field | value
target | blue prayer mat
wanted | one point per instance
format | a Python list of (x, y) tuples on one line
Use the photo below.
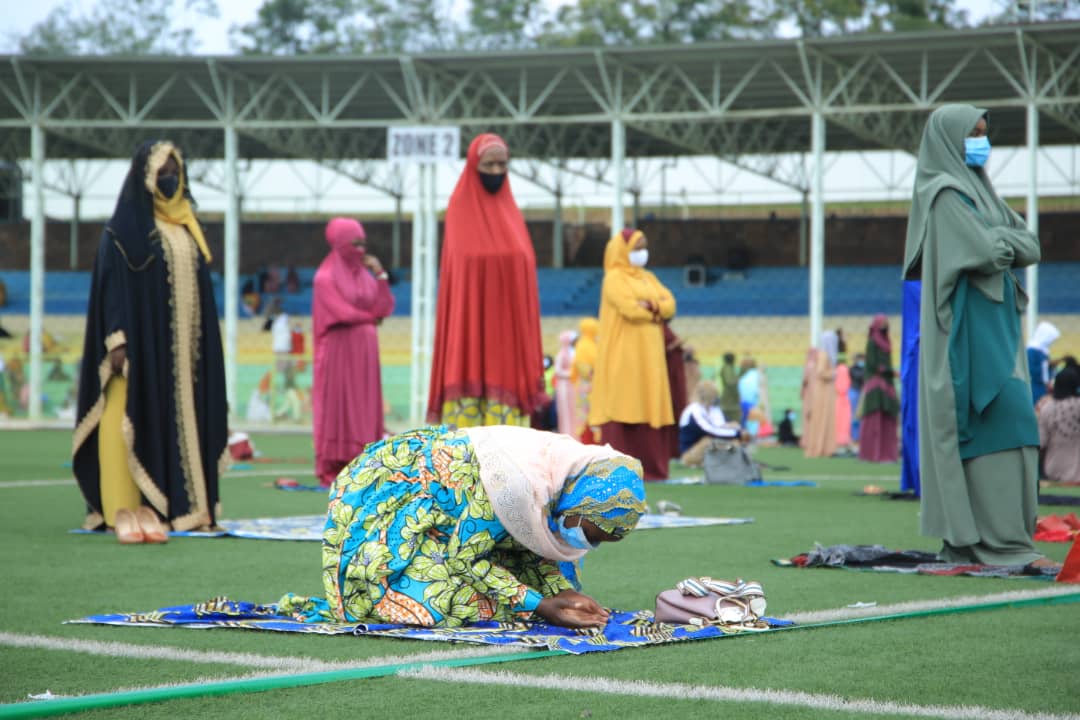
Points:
[(624, 629), (700, 480)]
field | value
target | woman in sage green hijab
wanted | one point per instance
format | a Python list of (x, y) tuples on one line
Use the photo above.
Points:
[(978, 436)]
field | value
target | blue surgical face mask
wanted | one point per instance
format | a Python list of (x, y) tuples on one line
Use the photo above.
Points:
[(574, 536), (976, 151)]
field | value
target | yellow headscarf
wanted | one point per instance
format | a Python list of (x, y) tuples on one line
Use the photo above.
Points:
[(585, 350), (176, 210)]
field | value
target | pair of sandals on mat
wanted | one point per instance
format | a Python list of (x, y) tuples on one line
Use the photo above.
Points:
[(138, 526)]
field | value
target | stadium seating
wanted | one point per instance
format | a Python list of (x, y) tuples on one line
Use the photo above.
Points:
[(779, 291)]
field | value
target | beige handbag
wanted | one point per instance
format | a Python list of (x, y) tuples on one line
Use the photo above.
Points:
[(704, 601)]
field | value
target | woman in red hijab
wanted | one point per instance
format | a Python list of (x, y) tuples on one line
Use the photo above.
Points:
[(351, 295), (487, 367)]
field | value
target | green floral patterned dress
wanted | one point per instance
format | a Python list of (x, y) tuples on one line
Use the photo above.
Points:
[(411, 538)]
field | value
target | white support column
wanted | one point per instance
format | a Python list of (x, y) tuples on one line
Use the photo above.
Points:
[(558, 252), (432, 274), (37, 268), (232, 263), (804, 218), (618, 160), (817, 226), (418, 380), (1031, 273), (73, 234), (395, 245)]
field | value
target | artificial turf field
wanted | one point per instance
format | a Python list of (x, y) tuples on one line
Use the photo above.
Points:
[(1021, 660)]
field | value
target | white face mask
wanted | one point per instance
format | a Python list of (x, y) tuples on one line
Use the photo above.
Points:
[(639, 258)]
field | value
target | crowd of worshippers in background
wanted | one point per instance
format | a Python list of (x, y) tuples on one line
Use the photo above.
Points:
[(619, 392), (623, 379)]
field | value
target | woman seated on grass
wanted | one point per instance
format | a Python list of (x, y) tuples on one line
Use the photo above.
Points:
[(702, 422), (1059, 428), (440, 527)]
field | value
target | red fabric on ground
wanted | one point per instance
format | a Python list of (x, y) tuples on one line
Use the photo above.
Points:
[(1054, 528), (1070, 571)]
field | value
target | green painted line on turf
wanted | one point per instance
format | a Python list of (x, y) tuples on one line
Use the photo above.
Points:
[(83, 703), (61, 706)]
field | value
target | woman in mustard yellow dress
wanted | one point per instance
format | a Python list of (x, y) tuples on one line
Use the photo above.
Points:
[(631, 395)]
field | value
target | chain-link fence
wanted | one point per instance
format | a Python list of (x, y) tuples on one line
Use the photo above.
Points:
[(759, 314)]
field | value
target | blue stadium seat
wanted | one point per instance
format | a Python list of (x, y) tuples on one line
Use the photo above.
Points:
[(849, 290)]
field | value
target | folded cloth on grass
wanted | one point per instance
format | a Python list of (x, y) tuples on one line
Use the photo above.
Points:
[(310, 527), (917, 562), (624, 629), (781, 483), (875, 491), (1056, 528), (291, 485)]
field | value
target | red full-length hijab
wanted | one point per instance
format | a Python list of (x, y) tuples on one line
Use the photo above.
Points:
[(487, 327)]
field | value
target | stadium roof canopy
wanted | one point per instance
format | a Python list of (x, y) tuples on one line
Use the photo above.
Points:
[(728, 99)]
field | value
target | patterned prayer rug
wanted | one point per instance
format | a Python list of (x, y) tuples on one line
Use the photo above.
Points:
[(310, 527), (624, 629)]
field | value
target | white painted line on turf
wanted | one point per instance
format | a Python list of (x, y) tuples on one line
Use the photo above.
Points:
[(269, 662), (817, 616), (679, 691), (34, 483)]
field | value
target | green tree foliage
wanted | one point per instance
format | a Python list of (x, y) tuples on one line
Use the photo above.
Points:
[(683, 21), (297, 27), (917, 15), (1023, 11), (818, 18), (630, 22), (300, 27), (501, 25), (119, 27), (408, 25)]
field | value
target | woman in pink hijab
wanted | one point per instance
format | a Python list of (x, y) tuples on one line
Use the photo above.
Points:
[(565, 387), (351, 296)]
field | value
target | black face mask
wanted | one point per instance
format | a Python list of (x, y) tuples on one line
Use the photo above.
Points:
[(168, 185), (492, 182)]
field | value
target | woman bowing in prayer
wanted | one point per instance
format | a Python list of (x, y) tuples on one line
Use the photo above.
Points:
[(631, 397), (978, 437), (440, 527), (150, 440), (351, 296), (487, 367)]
